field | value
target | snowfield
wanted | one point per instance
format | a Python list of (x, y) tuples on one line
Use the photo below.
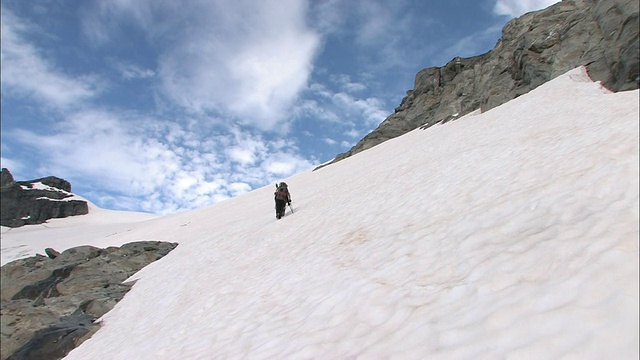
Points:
[(511, 234)]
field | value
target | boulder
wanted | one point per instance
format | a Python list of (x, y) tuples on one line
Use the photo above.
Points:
[(51, 253)]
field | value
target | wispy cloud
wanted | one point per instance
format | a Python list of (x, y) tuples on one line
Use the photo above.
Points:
[(472, 45), (129, 71), (369, 110), (374, 27), (515, 8), (312, 109), (342, 110), (11, 164), (27, 73), (346, 84), (330, 141)]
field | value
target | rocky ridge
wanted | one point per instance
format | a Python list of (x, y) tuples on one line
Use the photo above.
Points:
[(36, 201), (50, 304), (534, 48)]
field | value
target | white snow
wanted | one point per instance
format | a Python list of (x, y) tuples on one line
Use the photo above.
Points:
[(40, 186), (511, 234)]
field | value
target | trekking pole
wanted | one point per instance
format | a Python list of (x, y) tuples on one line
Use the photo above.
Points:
[(291, 207)]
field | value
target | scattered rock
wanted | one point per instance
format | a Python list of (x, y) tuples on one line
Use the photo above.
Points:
[(51, 253)]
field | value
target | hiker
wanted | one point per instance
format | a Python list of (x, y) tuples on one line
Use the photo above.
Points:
[(282, 198)]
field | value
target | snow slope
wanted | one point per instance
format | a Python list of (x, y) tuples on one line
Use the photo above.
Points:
[(97, 228), (508, 234)]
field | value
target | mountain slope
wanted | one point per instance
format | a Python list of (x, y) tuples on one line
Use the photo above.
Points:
[(533, 49), (512, 233)]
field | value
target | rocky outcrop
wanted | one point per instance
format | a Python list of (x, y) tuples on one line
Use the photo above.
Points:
[(50, 305), (534, 48), (36, 201)]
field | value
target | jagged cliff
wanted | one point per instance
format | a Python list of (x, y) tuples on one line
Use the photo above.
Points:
[(533, 49)]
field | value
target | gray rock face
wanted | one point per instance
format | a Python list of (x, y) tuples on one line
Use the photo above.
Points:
[(23, 203), (534, 48), (49, 306)]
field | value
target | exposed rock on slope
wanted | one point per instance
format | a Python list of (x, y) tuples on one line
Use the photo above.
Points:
[(49, 304), (534, 48), (36, 201)]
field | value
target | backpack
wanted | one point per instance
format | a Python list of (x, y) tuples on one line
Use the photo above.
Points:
[(282, 192)]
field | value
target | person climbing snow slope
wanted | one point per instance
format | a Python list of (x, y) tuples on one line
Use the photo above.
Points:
[(282, 197)]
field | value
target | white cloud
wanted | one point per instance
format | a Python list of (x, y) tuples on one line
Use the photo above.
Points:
[(26, 71), (311, 108), (342, 107), (100, 144), (346, 84), (515, 8), (354, 134), (369, 110), (248, 59), (131, 71), (13, 165), (284, 164), (354, 87), (149, 164), (239, 188), (184, 181), (242, 156), (280, 168)]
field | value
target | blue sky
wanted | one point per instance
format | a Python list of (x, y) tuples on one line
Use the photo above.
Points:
[(165, 106)]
